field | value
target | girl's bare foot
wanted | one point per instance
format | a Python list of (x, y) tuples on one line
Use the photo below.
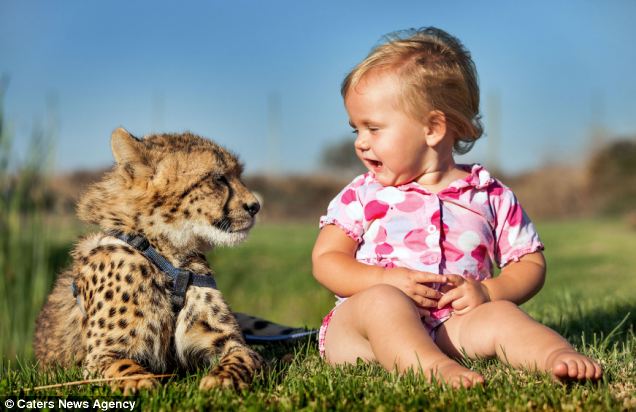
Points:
[(450, 372), (567, 364)]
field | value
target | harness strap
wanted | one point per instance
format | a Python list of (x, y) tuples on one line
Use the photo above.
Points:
[(181, 278)]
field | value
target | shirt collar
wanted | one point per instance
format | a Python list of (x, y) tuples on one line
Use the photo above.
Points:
[(479, 178)]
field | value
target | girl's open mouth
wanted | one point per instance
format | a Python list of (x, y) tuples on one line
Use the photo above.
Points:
[(375, 164)]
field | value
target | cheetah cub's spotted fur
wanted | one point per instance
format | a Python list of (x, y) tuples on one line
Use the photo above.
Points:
[(184, 194)]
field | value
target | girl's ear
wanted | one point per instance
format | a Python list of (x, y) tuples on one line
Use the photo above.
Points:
[(435, 127)]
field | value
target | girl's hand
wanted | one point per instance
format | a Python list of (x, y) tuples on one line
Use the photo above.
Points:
[(465, 294), (413, 283)]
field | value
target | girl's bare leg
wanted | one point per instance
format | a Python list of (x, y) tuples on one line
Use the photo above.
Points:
[(502, 329), (382, 324)]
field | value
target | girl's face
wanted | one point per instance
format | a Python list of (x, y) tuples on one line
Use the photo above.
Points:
[(390, 142)]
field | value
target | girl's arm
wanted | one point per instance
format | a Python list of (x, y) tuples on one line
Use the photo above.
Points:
[(517, 282), (336, 268)]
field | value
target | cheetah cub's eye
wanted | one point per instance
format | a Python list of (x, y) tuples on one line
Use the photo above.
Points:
[(220, 179)]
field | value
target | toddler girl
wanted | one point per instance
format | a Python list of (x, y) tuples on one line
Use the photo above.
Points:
[(409, 247)]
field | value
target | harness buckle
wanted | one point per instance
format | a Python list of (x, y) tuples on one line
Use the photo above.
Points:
[(182, 280), (74, 289), (140, 243)]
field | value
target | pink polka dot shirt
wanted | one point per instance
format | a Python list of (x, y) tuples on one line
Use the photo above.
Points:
[(465, 229)]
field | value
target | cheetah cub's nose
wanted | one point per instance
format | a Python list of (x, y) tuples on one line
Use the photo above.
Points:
[(252, 208)]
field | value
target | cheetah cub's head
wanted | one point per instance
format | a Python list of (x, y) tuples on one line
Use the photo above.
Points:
[(179, 187)]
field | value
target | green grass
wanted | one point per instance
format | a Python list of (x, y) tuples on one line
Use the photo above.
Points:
[(270, 275), (589, 297), (26, 243)]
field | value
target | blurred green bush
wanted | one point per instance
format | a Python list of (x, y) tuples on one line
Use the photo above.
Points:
[(25, 247), (612, 178)]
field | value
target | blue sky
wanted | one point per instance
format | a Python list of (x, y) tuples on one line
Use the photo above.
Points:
[(557, 68)]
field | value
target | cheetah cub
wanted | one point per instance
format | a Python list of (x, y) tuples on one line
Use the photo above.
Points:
[(120, 310)]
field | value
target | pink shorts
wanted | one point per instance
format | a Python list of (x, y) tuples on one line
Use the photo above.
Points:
[(323, 332), (431, 329)]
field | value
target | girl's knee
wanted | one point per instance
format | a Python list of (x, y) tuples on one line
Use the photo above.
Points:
[(499, 310), (383, 295), (498, 306), (381, 299)]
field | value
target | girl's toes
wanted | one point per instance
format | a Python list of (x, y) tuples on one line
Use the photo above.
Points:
[(576, 368), (573, 369), (582, 368), (560, 370), (471, 380), (459, 382), (590, 369), (477, 379), (463, 381), (595, 371)]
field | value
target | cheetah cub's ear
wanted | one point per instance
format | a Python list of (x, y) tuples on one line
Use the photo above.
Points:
[(130, 155), (126, 148)]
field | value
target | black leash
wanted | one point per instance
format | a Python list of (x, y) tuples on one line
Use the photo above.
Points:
[(181, 278)]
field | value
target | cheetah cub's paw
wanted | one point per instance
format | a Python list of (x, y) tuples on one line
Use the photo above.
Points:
[(236, 370), (222, 380), (134, 377), (132, 386)]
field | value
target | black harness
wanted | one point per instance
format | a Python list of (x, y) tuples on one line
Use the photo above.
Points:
[(181, 278)]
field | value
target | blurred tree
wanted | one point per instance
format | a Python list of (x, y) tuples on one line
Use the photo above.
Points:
[(340, 158), (612, 177)]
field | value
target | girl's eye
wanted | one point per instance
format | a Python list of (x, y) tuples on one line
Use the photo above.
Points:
[(354, 131)]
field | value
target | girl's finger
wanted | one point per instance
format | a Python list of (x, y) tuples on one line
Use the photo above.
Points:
[(462, 311), (448, 298), (459, 304), (425, 303), (424, 277), (427, 292), (455, 279)]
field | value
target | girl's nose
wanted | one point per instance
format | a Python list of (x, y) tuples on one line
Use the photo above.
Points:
[(361, 142)]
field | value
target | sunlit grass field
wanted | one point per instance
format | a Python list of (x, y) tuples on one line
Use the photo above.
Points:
[(590, 297)]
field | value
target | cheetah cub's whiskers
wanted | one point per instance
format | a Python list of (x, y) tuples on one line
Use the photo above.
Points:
[(183, 194)]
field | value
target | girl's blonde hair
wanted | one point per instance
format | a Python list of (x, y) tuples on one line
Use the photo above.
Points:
[(436, 72)]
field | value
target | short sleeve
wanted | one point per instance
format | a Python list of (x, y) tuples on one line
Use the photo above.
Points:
[(515, 234), (346, 210)]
